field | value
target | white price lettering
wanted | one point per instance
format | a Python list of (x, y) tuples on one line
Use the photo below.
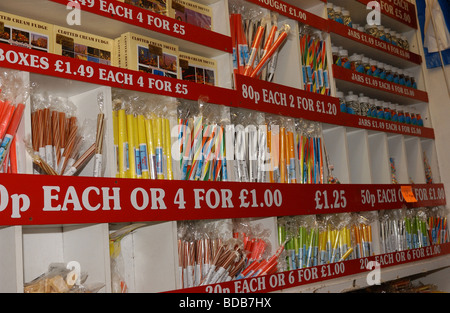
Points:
[(20, 202), (328, 108), (367, 197), (87, 71), (140, 81), (297, 13), (62, 67), (179, 199), (179, 29), (82, 70), (438, 194), (249, 93), (363, 263), (213, 198), (89, 3), (291, 277), (217, 289), (330, 270), (337, 200), (181, 89), (139, 17), (275, 97), (270, 199)]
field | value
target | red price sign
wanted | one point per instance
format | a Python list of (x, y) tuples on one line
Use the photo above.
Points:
[(400, 10)]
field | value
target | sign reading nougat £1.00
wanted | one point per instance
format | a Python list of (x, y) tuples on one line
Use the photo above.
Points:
[(293, 12)]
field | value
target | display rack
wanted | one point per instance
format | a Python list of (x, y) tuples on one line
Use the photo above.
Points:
[(47, 231)]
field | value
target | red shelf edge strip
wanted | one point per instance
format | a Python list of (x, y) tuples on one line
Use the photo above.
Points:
[(357, 36), (168, 26), (378, 84), (80, 200)]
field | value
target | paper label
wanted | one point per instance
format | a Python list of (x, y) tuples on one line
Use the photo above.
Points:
[(408, 194)]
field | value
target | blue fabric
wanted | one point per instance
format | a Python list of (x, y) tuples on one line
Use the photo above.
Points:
[(433, 59)]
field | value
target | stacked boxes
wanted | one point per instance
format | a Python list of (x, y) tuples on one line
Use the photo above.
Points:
[(141, 53), (157, 6), (198, 69), (24, 32), (192, 13), (130, 51), (83, 46)]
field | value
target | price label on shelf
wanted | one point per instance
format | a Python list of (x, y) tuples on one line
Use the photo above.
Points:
[(336, 200), (159, 23), (377, 83), (373, 42), (394, 195), (278, 99), (283, 280), (400, 10), (408, 194), (66, 200), (293, 12), (267, 198), (64, 67), (386, 126), (114, 76), (132, 15)]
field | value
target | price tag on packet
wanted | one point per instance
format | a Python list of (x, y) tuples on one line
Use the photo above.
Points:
[(408, 194)]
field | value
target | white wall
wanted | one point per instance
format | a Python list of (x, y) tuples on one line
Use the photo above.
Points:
[(439, 104)]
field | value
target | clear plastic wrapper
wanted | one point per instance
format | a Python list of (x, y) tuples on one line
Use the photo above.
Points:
[(222, 250), (85, 149), (99, 139), (393, 170), (428, 171), (314, 61), (404, 229), (118, 281), (312, 240), (273, 144), (143, 134), (310, 152), (255, 239), (361, 233), (200, 246), (250, 145), (256, 39), (14, 92), (202, 138), (61, 145), (437, 225), (62, 278)]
